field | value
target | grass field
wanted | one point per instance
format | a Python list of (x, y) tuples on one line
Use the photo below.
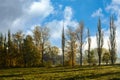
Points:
[(60, 73)]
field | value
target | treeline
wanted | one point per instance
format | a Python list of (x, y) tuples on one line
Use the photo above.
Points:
[(20, 50)]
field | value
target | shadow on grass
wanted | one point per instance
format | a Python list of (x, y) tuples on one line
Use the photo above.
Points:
[(78, 77), (115, 79), (68, 69), (12, 75)]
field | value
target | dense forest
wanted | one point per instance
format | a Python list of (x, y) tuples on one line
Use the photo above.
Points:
[(20, 50)]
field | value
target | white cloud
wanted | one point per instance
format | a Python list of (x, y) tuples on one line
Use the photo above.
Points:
[(60, 51), (29, 32), (94, 43), (115, 1), (68, 13), (60, 6), (55, 28), (41, 8), (37, 10), (9, 11), (114, 8), (24, 14), (57, 25), (97, 13)]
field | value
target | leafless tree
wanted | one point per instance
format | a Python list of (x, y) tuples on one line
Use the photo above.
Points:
[(99, 37), (79, 33), (44, 39), (41, 36), (89, 45), (37, 36), (112, 39), (72, 45)]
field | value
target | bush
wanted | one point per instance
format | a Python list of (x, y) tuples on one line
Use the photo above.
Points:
[(48, 64)]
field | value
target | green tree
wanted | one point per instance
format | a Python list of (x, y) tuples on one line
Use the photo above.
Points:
[(106, 58), (31, 56), (9, 49), (51, 55), (2, 53), (5, 52), (54, 53), (18, 49), (92, 58), (18, 38)]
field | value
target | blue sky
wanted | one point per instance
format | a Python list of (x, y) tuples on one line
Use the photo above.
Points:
[(82, 10), (26, 14)]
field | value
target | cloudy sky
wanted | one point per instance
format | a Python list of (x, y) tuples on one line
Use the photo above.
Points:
[(25, 14)]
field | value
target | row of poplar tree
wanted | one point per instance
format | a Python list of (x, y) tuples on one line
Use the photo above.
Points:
[(75, 40), (20, 50)]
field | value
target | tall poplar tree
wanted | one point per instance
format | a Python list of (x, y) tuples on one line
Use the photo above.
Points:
[(112, 39), (99, 37), (79, 33), (89, 46), (63, 44)]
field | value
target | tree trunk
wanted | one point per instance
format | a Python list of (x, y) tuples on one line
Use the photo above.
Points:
[(80, 56), (42, 53)]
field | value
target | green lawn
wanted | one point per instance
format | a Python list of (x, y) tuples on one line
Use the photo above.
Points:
[(60, 73)]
